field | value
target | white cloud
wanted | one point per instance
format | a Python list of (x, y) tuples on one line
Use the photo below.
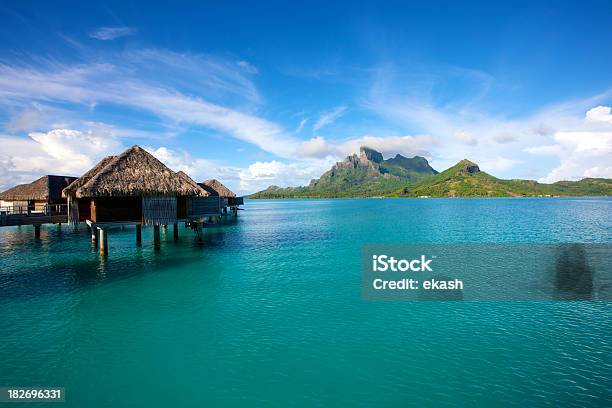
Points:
[(26, 120), (598, 172), (316, 147), (301, 125), (504, 138), (74, 151), (546, 150), (111, 33), (600, 114), (459, 125), (580, 153), (390, 145), (329, 117), (497, 164), (466, 138), (197, 168), (319, 147), (255, 177), (248, 67), (260, 175), (89, 84), (59, 151)]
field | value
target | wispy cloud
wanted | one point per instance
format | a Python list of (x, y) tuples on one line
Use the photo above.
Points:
[(460, 126), (329, 117), (122, 85), (248, 67), (319, 147), (301, 125), (111, 33)]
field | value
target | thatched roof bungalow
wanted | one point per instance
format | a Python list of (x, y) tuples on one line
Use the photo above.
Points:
[(131, 187), (36, 195), (228, 197), (70, 190), (216, 188)]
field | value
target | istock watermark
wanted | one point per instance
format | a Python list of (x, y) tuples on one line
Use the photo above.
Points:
[(573, 271)]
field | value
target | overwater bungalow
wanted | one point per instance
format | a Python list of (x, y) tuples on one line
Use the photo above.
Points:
[(130, 188), (40, 196), (136, 188), (36, 203), (227, 197)]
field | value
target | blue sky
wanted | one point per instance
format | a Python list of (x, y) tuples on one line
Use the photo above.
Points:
[(260, 93)]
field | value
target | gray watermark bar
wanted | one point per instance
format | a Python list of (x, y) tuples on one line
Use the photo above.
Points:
[(32, 394), (486, 272)]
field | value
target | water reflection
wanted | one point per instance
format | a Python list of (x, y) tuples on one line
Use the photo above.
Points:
[(573, 275)]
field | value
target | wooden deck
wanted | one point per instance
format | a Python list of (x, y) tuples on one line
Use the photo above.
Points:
[(51, 214)]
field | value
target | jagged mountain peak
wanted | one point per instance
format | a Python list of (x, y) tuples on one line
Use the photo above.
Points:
[(467, 166), (371, 154)]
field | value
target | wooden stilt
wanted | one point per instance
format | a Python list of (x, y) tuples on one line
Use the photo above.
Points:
[(176, 231), (138, 234), (94, 235), (103, 242), (199, 231), (37, 231), (156, 236)]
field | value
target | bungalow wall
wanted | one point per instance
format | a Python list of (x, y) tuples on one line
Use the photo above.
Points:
[(23, 207), (181, 207), (235, 201), (56, 185), (116, 209), (203, 206), (84, 205)]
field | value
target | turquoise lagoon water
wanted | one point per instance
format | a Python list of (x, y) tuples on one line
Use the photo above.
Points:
[(267, 312)]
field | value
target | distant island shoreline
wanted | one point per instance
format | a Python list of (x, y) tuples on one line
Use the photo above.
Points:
[(369, 175), (426, 198)]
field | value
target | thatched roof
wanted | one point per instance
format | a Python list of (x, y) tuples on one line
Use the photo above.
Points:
[(45, 188), (186, 177), (134, 172), (80, 182), (216, 188)]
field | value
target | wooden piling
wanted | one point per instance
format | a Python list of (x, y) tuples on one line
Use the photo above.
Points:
[(103, 242), (138, 234), (156, 236), (176, 231), (37, 231), (94, 235), (199, 231)]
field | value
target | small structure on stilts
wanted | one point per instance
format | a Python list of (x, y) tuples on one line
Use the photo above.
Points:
[(133, 188), (36, 203), (227, 198)]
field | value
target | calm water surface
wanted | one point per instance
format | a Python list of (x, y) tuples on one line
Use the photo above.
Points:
[(267, 312)]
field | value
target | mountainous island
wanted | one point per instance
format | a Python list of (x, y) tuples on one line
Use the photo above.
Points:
[(370, 175)]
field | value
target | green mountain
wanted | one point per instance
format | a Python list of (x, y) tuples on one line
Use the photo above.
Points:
[(363, 175), (465, 179), (369, 175)]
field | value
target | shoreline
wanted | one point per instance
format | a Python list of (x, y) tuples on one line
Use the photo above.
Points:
[(423, 198)]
